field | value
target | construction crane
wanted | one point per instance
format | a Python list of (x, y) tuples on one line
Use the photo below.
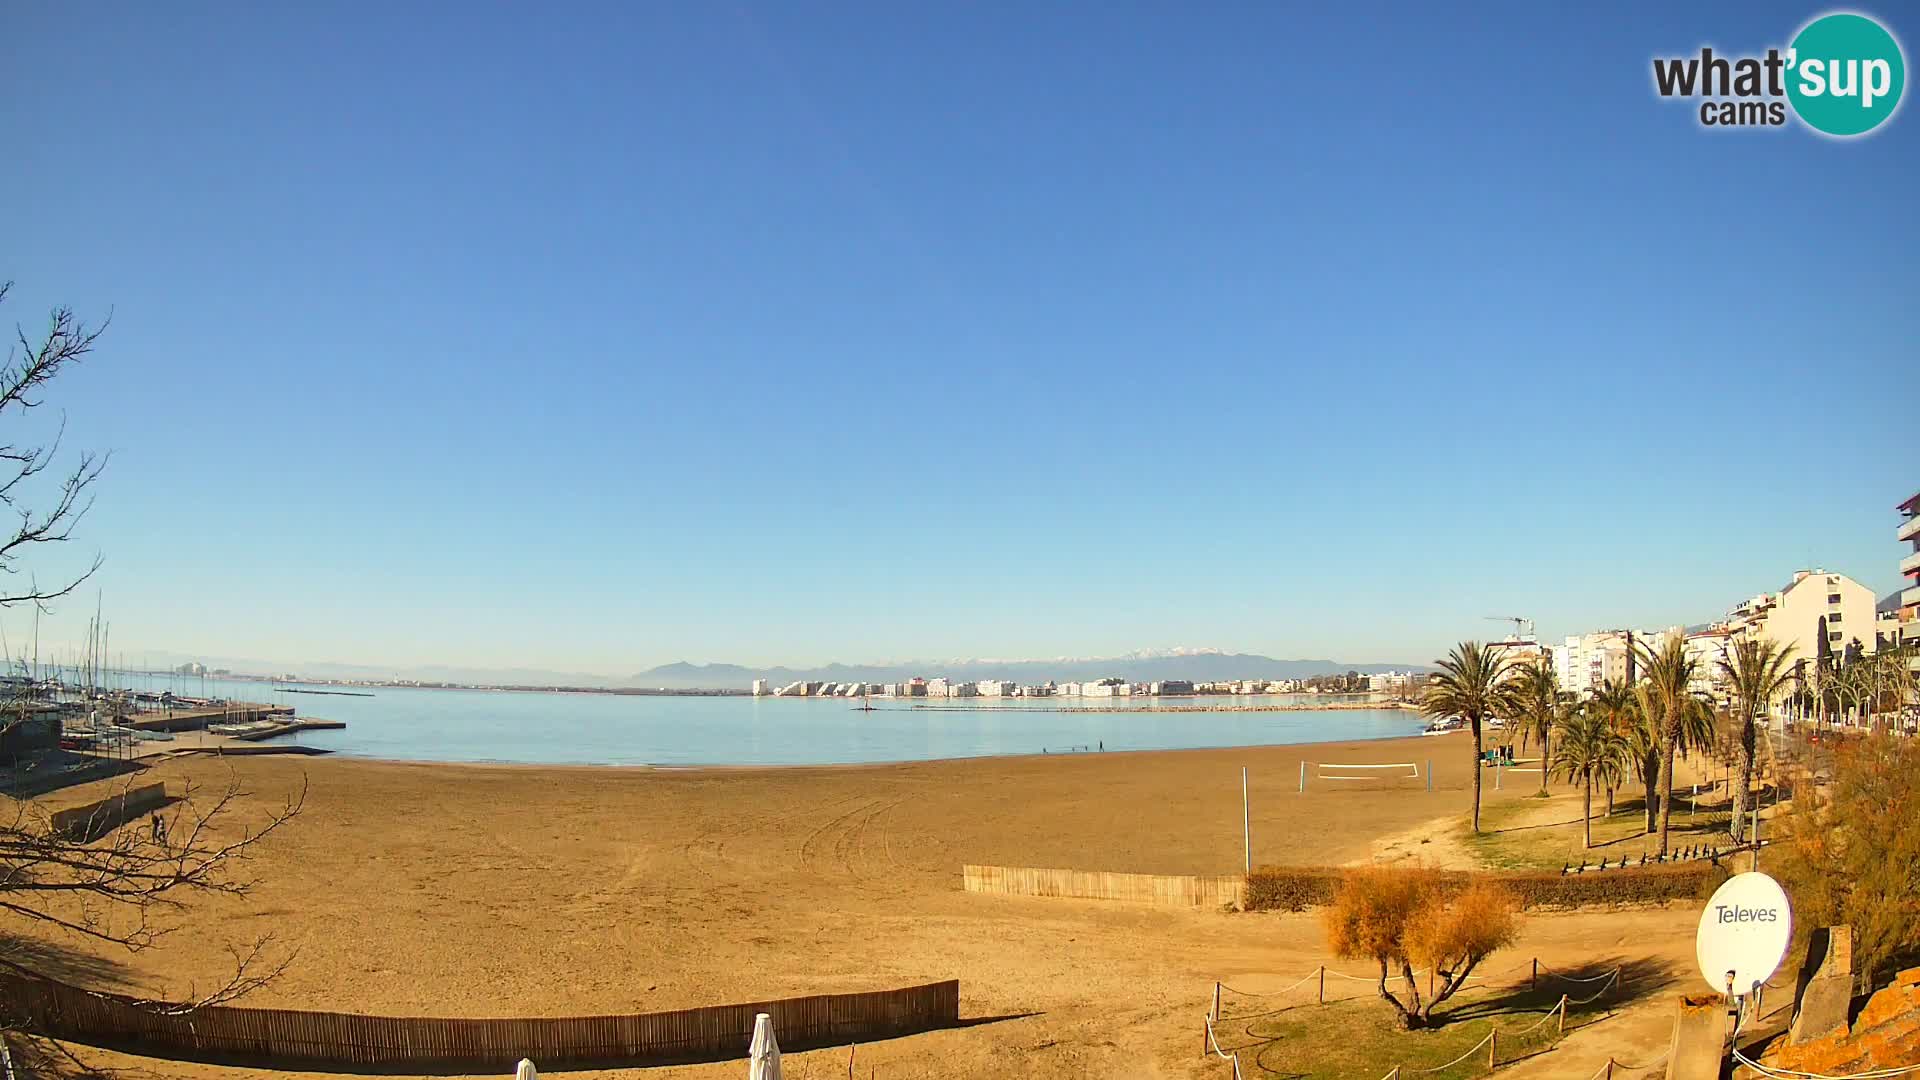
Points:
[(1522, 628)]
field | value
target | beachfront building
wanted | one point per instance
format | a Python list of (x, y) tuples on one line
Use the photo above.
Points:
[(1584, 662), (1385, 680), (996, 688), (1106, 688), (1707, 647), (1907, 614), (1170, 686), (1815, 602), (759, 688)]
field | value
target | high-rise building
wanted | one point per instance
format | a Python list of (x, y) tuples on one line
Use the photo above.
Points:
[(1909, 610)]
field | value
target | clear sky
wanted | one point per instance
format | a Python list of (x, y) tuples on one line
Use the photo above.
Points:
[(606, 335)]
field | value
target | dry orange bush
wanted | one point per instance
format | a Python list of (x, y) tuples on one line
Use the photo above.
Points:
[(1403, 917)]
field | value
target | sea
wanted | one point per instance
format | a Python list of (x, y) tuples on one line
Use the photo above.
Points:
[(419, 724)]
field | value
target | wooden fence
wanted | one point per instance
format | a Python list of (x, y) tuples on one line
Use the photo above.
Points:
[(1165, 890), (341, 1042), (99, 818)]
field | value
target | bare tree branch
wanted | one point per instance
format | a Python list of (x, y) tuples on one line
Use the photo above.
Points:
[(32, 363)]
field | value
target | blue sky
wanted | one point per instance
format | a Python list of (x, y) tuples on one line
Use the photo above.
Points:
[(612, 335)]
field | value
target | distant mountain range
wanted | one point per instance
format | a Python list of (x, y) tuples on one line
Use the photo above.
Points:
[(1197, 665), (1200, 665)]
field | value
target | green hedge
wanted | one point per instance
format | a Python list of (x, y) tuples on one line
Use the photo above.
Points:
[(1296, 888)]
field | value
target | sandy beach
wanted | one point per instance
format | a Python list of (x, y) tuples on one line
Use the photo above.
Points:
[(460, 890)]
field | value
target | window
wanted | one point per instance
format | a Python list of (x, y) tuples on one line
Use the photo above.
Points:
[(1833, 618), (1834, 636), (1833, 598)]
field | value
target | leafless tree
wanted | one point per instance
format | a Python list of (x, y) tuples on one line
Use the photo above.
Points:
[(105, 880), (117, 883), (31, 364)]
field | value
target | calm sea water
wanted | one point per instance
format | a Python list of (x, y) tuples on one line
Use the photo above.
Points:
[(498, 726)]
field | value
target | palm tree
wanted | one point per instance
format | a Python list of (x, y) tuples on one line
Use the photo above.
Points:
[(1756, 671), (1472, 685), (1589, 750), (1675, 708), (1535, 703), (1645, 746), (1613, 701)]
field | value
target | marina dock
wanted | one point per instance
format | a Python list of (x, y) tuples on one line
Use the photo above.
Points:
[(197, 717)]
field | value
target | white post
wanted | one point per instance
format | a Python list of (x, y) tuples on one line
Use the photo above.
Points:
[(1246, 823), (1303, 778)]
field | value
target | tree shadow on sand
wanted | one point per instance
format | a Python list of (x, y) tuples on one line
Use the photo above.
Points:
[(38, 1056), (61, 962)]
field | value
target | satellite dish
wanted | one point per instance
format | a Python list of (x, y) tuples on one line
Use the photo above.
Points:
[(1744, 933)]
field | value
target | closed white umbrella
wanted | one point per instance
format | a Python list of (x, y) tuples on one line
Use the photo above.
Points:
[(763, 1057), (526, 1071)]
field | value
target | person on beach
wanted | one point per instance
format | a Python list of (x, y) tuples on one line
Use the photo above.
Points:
[(159, 829)]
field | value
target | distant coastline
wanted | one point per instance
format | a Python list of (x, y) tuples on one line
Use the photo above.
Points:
[(1288, 706)]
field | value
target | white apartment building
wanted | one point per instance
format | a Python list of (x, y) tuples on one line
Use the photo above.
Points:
[(1796, 615), (759, 688), (1909, 611), (996, 688), (1388, 680)]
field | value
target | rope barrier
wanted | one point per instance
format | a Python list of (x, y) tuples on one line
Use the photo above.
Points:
[(1792, 1074), (1462, 1057), (1559, 1007), (1276, 993), (1608, 981), (1606, 1071), (1612, 980), (1603, 976), (1214, 1045)]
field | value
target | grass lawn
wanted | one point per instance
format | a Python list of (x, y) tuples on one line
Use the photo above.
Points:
[(1361, 1038), (1514, 837)]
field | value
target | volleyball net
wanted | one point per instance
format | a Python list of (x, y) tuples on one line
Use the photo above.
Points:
[(1396, 773)]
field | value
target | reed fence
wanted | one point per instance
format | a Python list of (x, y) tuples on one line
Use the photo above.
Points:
[(326, 1041), (1165, 890)]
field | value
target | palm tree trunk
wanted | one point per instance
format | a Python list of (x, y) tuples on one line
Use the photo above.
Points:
[(1666, 784), (1476, 775), (1477, 750), (1587, 814), (1650, 783), (1545, 756), (1743, 778)]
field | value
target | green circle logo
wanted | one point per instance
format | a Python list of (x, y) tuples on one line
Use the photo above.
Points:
[(1845, 74)]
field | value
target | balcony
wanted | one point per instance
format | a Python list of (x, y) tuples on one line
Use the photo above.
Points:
[(1910, 565), (1909, 528), (1910, 597)]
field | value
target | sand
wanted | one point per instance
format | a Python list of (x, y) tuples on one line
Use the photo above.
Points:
[(456, 890)]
